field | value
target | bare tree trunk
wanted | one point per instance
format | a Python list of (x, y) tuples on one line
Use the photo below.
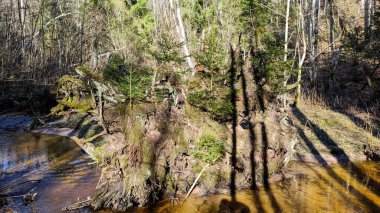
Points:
[(100, 90), (286, 47), (21, 12), (152, 86), (310, 19), (220, 16), (155, 9), (94, 54), (286, 30), (367, 18), (81, 16), (176, 9), (302, 58), (315, 30), (331, 18)]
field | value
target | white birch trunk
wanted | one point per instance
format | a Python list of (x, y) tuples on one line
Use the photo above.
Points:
[(302, 58), (286, 46), (176, 9), (21, 11)]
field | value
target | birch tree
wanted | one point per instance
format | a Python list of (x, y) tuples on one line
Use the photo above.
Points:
[(22, 12), (368, 4), (302, 55), (331, 25), (176, 11), (315, 14), (286, 45)]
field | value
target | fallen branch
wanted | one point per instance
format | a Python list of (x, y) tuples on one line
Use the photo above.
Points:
[(49, 22), (78, 205), (87, 140), (196, 181), (82, 142)]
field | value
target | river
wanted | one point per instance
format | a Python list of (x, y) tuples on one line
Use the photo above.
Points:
[(52, 166), (64, 175), (350, 188)]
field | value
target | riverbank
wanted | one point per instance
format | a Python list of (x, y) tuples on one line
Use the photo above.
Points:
[(322, 136)]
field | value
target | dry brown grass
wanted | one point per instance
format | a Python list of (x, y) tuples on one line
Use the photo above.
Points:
[(339, 127)]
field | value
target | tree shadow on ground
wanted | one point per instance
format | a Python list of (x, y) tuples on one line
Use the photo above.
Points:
[(233, 97), (330, 144), (252, 140), (267, 186), (360, 122), (235, 63), (232, 206)]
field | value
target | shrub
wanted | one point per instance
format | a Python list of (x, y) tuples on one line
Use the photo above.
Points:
[(209, 149), (132, 82), (199, 98), (214, 54), (217, 103), (272, 66), (222, 110)]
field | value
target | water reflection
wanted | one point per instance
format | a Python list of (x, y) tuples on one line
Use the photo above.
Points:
[(52, 166), (315, 190)]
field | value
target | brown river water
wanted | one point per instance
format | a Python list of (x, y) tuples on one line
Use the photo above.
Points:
[(65, 174), (52, 166)]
